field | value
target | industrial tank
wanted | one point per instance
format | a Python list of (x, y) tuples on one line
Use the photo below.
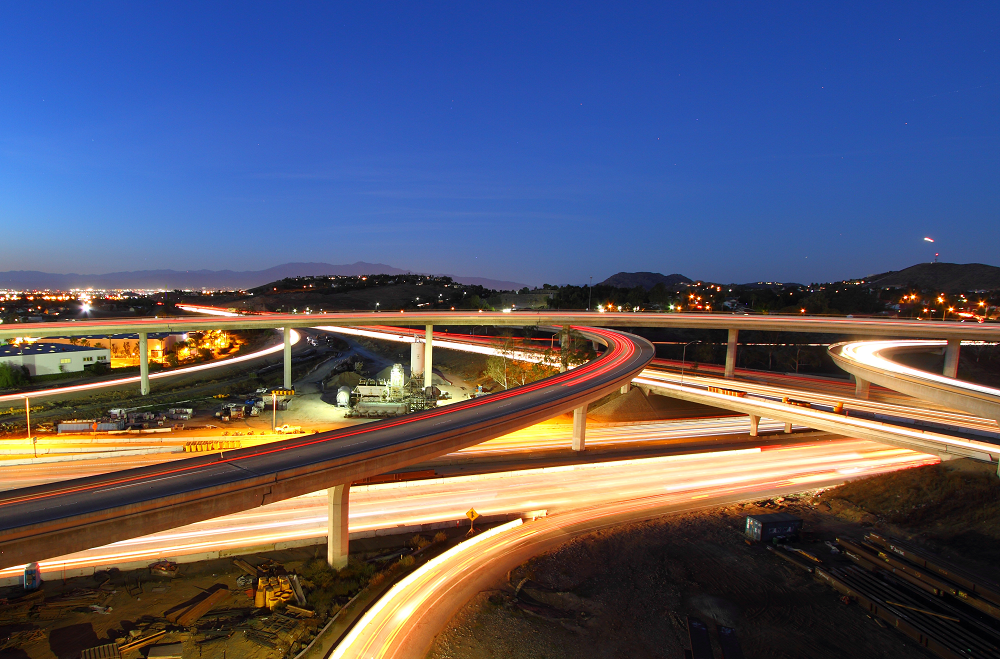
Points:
[(344, 397)]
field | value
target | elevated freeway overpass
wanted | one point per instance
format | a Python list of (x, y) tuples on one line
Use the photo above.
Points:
[(953, 333), (61, 518)]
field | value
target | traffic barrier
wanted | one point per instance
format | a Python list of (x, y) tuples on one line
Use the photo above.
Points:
[(727, 392), (204, 446)]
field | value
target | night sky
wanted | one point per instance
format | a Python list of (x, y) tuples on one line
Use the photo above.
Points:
[(537, 142)]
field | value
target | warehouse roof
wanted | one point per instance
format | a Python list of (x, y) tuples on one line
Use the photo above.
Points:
[(43, 349)]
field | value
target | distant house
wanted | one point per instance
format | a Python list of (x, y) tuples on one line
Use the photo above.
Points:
[(49, 358)]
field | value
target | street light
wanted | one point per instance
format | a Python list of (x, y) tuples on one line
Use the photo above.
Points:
[(684, 357), (590, 292)]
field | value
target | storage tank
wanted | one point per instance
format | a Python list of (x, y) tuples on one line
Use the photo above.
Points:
[(344, 397), (416, 359)]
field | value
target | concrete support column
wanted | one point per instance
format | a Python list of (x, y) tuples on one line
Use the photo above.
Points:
[(731, 353), (143, 364), (563, 342), (627, 387), (788, 428), (579, 428), (428, 359), (861, 388), (337, 508), (951, 358), (287, 333), (754, 420), (416, 359)]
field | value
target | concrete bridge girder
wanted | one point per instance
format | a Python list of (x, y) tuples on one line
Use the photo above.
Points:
[(926, 442), (954, 396)]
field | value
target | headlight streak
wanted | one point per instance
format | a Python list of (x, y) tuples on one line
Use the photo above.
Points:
[(389, 505), (421, 573), (402, 623)]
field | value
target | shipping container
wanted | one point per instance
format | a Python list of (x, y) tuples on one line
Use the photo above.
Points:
[(775, 525), (74, 426)]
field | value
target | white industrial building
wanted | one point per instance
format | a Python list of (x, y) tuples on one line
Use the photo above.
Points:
[(48, 358)]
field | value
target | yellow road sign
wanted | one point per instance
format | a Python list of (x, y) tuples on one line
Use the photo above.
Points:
[(472, 514)]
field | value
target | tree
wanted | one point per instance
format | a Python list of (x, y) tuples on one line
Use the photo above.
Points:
[(12, 377), (509, 368), (574, 348), (660, 296), (796, 356)]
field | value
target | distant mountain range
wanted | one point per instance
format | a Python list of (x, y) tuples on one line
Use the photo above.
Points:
[(213, 279), (645, 279), (945, 277)]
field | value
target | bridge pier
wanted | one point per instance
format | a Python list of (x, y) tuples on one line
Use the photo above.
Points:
[(861, 388), (951, 358), (563, 343), (287, 334), (143, 364), (627, 387), (579, 428), (788, 427), (337, 542), (428, 349), (754, 421), (731, 354)]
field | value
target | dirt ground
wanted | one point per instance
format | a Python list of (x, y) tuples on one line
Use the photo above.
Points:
[(69, 616), (625, 592)]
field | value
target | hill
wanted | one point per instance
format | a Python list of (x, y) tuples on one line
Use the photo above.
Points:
[(210, 279), (944, 277), (645, 279)]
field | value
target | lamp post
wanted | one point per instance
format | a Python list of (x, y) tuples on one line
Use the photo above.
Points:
[(684, 357), (590, 292)]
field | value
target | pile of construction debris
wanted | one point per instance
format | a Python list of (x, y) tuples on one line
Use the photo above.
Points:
[(264, 615)]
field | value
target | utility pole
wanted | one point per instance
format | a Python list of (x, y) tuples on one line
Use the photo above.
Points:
[(590, 292), (27, 416), (684, 357)]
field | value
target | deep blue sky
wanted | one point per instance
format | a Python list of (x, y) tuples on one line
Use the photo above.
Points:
[(534, 142)]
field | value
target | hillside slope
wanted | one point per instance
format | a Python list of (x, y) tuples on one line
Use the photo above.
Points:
[(645, 279), (945, 277)]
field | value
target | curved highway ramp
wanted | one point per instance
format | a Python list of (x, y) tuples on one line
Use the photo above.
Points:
[(68, 516)]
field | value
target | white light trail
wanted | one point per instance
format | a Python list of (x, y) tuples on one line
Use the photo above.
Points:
[(390, 505), (868, 353)]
